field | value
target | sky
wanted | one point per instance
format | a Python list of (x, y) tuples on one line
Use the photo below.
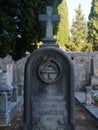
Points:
[(73, 4)]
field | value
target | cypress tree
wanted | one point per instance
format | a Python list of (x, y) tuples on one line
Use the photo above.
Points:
[(93, 25), (63, 26), (20, 29), (7, 25), (79, 31)]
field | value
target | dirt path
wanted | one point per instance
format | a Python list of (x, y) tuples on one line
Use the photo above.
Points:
[(84, 120)]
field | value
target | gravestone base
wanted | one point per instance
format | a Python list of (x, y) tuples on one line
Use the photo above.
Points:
[(49, 42), (12, 108)]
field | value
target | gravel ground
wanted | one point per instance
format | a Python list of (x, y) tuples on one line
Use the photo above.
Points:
[(83, 121)]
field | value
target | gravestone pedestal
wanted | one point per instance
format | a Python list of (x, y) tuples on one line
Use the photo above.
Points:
[(49, 89)]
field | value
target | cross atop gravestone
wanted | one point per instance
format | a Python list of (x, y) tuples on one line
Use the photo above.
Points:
[(49, 18)]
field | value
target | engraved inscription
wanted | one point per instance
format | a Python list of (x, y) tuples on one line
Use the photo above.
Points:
[(49, 113), (49, 71)]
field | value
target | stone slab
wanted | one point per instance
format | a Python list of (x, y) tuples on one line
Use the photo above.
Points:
[(80, 96), (13, 107), (93, 110), (49, 91)]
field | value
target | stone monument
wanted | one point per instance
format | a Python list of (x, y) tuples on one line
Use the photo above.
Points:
[(5, 86), (9, 73), (10, 99), (49, 85)]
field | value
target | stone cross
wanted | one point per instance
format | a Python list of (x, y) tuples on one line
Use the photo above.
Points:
[(49, 18)]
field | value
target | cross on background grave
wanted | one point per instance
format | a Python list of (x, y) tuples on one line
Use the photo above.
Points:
[(49, 18)]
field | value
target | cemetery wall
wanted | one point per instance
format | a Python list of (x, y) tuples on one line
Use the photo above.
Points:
[(81, 61)]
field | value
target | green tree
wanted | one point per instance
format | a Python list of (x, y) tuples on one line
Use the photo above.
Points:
[(7, 25), (93, 25), (30, 31), (79, 31), (63, 27), (20, 28)]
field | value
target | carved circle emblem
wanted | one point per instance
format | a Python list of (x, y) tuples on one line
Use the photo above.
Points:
[(49, 71)]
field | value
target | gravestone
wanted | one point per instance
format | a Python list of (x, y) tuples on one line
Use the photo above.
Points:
[(14, 78), (11, 95), (49, 85), (5, 86), (92, 73), (10, 73)]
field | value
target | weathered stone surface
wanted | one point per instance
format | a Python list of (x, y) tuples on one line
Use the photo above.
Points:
[(49, 18), (10, 100), (48, 82), (49, 85), (5, 86), (20, 64)]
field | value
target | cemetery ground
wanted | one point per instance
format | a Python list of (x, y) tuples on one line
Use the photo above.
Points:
[(84, 121)]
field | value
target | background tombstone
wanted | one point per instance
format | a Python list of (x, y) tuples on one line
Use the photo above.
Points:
[(9, 73), (11, 94), (5, 86), (14, 78), (49, 87)]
